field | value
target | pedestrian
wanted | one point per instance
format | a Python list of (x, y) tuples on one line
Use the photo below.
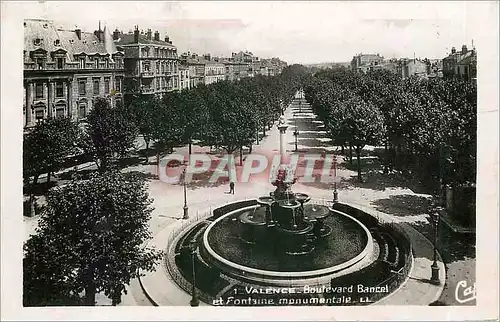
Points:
[(231, 187)]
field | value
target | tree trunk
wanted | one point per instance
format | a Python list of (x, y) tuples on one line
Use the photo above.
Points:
[(350, 153), (241, 156), (190, 143), (90, 289), (342, 149), (48, 177), (35, 179), (257, 136), (250, 150), (264, 129), (158, 163), (358, 152), (104, 165), (386, 158)]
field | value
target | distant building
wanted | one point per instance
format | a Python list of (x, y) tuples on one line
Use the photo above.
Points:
[(184, 79), (414, 67), (461, 64), (366, 62), (196, 68), (64, 70), (214, 69), (151, 63)]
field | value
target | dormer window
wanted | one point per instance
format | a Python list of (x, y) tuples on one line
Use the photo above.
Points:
[(38, 41), (45, 25), (84, 41), (57, 42), (71, 41), (94, 42)]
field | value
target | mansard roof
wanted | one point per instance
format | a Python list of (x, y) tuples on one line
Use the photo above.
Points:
[(42, 34)]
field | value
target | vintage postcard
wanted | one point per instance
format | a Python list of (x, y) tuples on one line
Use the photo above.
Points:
[(249, 160)]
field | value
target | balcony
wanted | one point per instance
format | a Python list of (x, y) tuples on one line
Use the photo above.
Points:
[(147, 90), (147, 74)]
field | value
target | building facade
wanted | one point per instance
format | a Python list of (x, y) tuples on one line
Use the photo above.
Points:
[(461, 64), (184, 79), (215, 70), (64, 70), (151, 64), (366, 62)]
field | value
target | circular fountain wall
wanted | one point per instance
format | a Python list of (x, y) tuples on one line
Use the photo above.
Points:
[(226, 245)]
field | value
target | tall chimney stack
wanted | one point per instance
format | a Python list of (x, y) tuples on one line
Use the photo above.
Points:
[(136, 34), (149, 34), (116, 34), (78, 32), (157, 36)]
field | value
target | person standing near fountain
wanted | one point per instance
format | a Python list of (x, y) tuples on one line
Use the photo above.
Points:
[(231, 187)]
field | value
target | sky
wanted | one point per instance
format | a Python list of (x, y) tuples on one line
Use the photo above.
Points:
[(295, 31)]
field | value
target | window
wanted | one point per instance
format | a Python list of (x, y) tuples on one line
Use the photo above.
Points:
[(39, 62), (59, 89), (118, 85), (39, 114), (82, 111), (59, 111), (82, 88), (158, 67), (60, 63), (82, 62), (39, 90), (106, 86), (96, 86)]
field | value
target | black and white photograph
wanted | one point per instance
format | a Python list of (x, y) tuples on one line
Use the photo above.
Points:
[(249, 160)]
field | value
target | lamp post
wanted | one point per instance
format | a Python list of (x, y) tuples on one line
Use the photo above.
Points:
[(296, 132), (186, 215), (434, 266), (194, 297), (335, 193)]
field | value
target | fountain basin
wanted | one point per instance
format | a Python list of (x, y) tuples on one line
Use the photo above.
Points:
[(350, 244)]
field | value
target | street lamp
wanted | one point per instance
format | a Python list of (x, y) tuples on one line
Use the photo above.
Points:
[(194, 298), (434, 266), (296, 132), (335, 193), (186, 215)]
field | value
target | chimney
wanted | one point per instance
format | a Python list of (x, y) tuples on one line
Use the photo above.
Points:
[(206, 56), (453, 50), (167, 38), (136, 34), (116, 34), (78, 32), (149, 34), (464, 49), (157, 35)]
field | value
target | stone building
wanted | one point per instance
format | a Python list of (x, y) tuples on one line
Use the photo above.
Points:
[(214, 69), (151, 64), (184, 79), (365, 62), (64, 70), (196, 68), (461, 64)]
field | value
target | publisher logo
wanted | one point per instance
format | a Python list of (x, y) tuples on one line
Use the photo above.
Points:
[(465, 292)]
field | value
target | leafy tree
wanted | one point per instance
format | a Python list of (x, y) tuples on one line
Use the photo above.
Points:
[(110, 132), (90, 239), (168, 124), (47, 145), (142, 110)]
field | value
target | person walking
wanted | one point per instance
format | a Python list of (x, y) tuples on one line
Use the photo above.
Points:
[(231, 187)]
